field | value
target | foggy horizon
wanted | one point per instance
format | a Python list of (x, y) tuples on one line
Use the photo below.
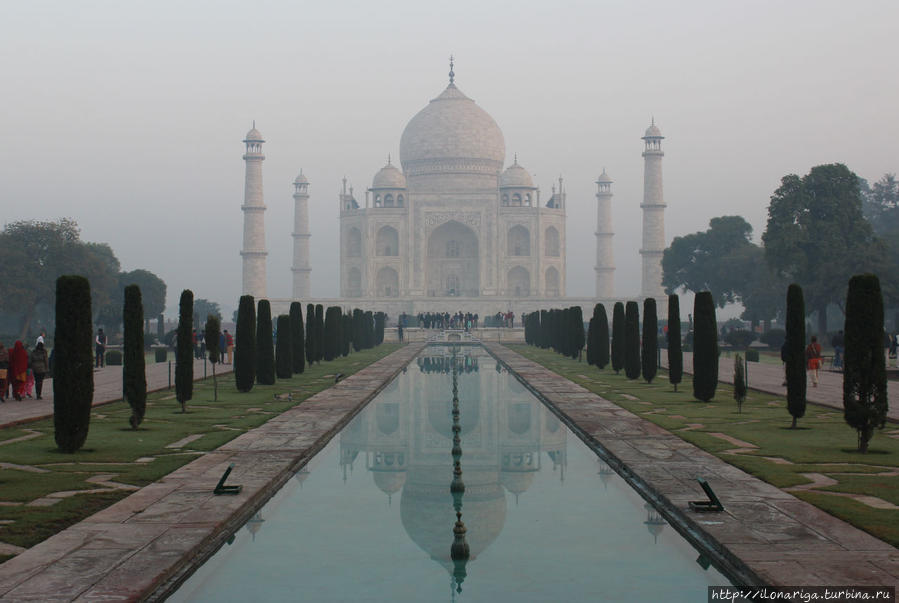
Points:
[(129, 119)]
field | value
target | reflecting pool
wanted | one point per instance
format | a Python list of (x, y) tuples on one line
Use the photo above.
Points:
[(372, 517)]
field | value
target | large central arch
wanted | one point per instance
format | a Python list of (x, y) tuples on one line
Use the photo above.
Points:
[(453, 265)]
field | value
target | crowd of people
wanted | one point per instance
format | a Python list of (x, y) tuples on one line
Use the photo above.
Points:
[(22, 371), (226, 345), (459, 320)]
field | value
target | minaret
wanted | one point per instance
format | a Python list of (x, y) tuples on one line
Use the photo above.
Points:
[(653, 214), (605, 257), (253, 207), (301, 268)]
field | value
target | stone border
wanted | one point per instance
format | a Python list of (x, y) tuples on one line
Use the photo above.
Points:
[(765, 536), (144, 546)]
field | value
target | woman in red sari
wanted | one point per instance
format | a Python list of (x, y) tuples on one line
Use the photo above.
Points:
[(18, 369)]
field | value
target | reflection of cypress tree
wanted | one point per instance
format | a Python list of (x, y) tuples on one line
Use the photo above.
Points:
[(184, 356), (284, 349), (675, 352), (245, 346), (297, 338), (265, 351), (650, 340), (632, 340), (618, 337)]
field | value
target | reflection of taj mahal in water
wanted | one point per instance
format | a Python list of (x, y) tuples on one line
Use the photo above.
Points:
[(404, 440), (449, 222)]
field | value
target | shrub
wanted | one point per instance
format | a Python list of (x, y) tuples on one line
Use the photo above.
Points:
[(796, 362), (752, 355), (650, 341), (675, 353), (73, 374), (114, 358), (162, 354), (134, 374), (705, 356), (618, 337), (284, 349), (739, 338), (265, 350), (297, 338), (632, 340), (739, 382), (865, 399), (245, 345), (184, 353)]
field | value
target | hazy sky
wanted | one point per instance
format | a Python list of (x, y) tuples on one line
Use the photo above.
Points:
[(128, 116)]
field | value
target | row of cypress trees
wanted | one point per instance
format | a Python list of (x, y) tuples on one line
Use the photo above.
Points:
[(559, 329)]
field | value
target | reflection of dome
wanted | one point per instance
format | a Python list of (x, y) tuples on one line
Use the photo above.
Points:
[(452, 134), (387, 415), (428, 517), (516, 176), (389, 482), (519, 417), (389, 177), (440, 415), (517, 482)]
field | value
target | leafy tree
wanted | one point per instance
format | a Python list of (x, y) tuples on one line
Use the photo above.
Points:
[(650, 342), (184, 353), (73, 376), (796, 361), (675, 352), (297, 338), (284, 349), (213, 334), (739, 381), (602, 336), (865, 401), (632, 340), (134, 367), (880, 206), (265, 351), (310, 334), (705, 347), (618, 337), (245, 345), (817, 237), (204, 307)]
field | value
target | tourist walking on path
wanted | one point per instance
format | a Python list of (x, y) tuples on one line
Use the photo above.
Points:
[(813, 356), (18, 369), (838, 342), (4, 371), (40, 365), (229, 345), (100, 342)]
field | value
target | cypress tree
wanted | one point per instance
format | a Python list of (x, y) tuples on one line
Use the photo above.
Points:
[(576, 330), (591, 338), (213, 336), (632, 340), (358, 330), (543, 338), (332, 333), (602, 336), (319, 332), (369, 326), (265, 349), (310, 334), (297, 338), (134, 367), (347, 332), (865, 401), (617, 337), (284, 350), (739, 381), (73, 367), (675, 351), (380, 321), (796, 362), (245, 345), (705, 347), (184, 353), (650, 348)]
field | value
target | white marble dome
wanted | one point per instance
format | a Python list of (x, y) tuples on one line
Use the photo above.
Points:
[(389, 177), (516, 176), (452, 132), (653, 132), (254, 136)]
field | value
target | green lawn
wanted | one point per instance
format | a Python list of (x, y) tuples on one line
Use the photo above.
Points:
[(113, 448), (823, 444)]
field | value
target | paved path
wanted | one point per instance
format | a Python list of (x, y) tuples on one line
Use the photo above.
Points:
[(770, 377), (765, 535), (107, 388)]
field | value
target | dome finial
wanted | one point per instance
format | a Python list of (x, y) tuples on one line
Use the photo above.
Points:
[(388, 158), (452, 75), (516, 159)]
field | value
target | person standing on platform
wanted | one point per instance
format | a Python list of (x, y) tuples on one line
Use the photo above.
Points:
[(100, 343)]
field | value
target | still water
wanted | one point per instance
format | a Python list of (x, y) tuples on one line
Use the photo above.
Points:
[(371, 517)]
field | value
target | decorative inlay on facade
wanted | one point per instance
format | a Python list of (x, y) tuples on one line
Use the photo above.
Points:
[(434, 219)]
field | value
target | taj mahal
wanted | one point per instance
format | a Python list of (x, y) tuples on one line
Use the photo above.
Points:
[(451, 227)]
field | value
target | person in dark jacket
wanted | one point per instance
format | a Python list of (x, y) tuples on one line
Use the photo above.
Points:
[(40, 366)]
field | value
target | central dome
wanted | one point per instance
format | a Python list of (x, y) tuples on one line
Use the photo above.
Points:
[(452, 135)]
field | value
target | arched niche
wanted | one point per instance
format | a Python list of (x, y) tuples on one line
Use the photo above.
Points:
[(518, 241), (354, 282), (552, 282), (518, 282), (387, 283), (387, 241), (353, 243), (453, 258), (551, 242)]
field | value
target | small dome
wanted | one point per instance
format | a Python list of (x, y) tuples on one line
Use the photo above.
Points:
[(604, 178), (301, 179), (389, 177), (516, 176), (653, 131), (254, 136)]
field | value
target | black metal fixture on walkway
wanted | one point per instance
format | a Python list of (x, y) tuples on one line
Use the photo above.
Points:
[(459, 551)]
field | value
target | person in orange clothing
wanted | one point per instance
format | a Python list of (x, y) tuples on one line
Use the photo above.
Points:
[(813, 356), (18, 369)]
